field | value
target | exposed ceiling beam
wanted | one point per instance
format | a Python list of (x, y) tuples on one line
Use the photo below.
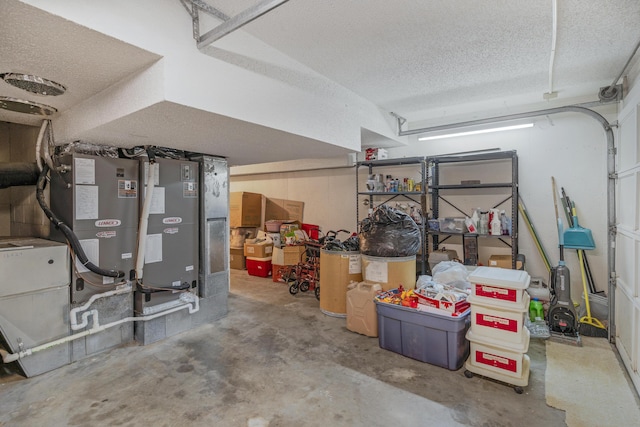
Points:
[(238, 21), (210, 10)]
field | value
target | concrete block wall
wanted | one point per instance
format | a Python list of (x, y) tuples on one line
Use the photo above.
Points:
[(20, 214)]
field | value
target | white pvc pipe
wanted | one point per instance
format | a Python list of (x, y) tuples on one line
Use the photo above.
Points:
[(43, 127), (73, 313), (47, 154), (144, 221), (12, 357)]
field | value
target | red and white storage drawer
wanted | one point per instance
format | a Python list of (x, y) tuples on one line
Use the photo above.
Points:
[(492, 285), (499, 361), (501, 321)]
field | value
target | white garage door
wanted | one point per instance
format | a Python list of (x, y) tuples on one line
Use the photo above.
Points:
[(627, 302)]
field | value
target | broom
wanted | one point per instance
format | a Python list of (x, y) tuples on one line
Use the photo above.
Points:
[(589, 326)]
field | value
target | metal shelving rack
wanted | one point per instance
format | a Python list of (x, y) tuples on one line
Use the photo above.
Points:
[(381, 197), (434, 163)]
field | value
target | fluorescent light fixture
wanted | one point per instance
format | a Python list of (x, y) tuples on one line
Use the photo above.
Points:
[(476, 132)]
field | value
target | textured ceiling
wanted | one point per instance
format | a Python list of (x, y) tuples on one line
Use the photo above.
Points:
[(84, 61), (419, 59), (412, 56)]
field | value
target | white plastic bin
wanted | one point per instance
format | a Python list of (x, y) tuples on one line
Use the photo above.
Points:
[(491, 285), (497, 358), (498, 322)]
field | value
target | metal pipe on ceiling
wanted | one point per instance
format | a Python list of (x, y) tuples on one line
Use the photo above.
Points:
[(239, 21), (610, 91), (611, 177)]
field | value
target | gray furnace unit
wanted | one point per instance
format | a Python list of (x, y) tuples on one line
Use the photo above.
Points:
[(171, 263), (97, 196), (34, 301)]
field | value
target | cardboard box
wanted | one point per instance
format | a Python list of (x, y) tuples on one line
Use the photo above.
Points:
[(258, 250), (440, 255), (502, 261), (245, 209), (289, 255), (282, 209), (376, 154), (278, 271), (237, 236), (237, 260)]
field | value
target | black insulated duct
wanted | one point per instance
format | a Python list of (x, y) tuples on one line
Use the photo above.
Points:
[(14, 174)]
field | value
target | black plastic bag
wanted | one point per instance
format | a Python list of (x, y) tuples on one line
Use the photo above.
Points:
[(389, 232)]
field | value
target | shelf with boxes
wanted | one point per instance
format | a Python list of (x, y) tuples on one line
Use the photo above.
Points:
[(460, 183), (399, 183)]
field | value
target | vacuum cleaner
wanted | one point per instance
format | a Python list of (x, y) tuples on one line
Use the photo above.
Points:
[(561, 317)]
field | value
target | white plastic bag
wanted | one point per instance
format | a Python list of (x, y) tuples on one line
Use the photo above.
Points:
[(451, 272)]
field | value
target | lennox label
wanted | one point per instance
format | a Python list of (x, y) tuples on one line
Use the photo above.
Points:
[(106, 223), (172, 220), (172, 230)]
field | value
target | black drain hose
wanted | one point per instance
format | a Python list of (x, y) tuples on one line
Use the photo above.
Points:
[(69, 235)]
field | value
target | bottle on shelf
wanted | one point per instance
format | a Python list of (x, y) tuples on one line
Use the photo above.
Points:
[(388, 184), (483, 224), (494, 224), (475, 217), (470, 225), (505, 224)]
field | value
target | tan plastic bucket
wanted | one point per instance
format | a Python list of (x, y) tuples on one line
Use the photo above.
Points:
[(337, 270)]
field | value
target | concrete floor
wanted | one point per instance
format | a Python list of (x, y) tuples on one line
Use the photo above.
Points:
[(275, 360)]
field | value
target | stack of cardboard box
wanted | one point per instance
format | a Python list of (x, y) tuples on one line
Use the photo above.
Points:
[(245, 216)]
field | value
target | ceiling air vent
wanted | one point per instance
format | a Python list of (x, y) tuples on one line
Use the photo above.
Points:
[(34, 84), (23, 106)]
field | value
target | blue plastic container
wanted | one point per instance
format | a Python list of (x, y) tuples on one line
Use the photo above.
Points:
[(427, 337)]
